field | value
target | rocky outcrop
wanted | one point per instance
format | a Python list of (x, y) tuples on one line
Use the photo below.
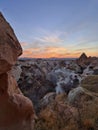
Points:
[(78, 111), (82, 60), (75, 110), (91, 83), (16, 111), (33, 82), (10, 48)]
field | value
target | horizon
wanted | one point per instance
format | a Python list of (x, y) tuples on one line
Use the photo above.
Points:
[(54, 28), (21, 57), (46, 58)]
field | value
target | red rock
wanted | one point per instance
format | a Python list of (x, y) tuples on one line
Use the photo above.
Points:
[(16, 111), (10, 47)]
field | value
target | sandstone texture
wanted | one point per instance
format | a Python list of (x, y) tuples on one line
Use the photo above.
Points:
[(16, 110), (10, 48)]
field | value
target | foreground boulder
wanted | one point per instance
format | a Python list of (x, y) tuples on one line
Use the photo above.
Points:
[(16, 111), (78, 111), (10, 48)]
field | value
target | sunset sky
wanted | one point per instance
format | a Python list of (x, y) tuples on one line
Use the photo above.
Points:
[(54, 28)]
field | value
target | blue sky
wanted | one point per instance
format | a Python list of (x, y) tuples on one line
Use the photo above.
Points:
[(54, 28)]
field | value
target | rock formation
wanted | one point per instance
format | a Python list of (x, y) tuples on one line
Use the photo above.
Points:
[(10, 48), (83, 56), (78, 111), (91, 83), (16, 111), (82, 59)]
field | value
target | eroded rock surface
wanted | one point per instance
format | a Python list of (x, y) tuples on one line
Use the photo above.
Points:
[(16, 110), (66, 113), (75, 110), (91, 83), (10, 48)]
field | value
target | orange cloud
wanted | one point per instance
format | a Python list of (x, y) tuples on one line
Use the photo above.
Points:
[(55, 49), (48, 52), (52, 51), (29, 52)]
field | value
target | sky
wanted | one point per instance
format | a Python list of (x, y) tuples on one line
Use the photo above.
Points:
[(54, 28)]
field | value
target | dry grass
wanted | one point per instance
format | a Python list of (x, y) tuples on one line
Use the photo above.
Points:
[(91, 83), (88, 123), (59, 114)]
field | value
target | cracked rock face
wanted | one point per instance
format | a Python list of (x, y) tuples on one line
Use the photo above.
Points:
[(16, 110), (10, 47)]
